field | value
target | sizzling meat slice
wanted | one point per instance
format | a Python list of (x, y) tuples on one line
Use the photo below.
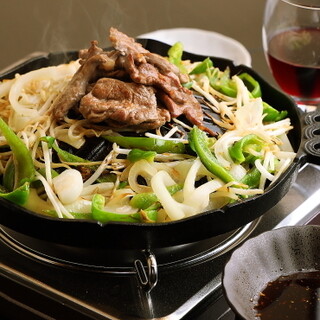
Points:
[(94, 61), (177, 99), (116, 102), (153, 70), (121, 104), (128, 46)]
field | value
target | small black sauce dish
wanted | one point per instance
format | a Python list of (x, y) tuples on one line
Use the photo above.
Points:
[(272, 255)]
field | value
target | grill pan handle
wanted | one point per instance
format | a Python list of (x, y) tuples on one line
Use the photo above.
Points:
[(149, 279), (311, 142)]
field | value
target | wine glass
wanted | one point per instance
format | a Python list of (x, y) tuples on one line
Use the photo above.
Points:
[(291, 41)]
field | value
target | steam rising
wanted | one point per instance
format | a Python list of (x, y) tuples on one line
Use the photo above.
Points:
[(73, 23)]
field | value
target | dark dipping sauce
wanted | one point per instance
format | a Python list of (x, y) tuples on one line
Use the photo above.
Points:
[(294, 297)]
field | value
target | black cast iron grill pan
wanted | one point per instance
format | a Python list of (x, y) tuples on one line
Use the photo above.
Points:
[(119, 235)]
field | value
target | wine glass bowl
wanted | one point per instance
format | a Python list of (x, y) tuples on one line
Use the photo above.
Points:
[(291, 41)]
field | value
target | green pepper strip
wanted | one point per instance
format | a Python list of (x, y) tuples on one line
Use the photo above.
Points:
[(137, 154), (149, 144), (64, 155), (238, 150), (24, 168), (175, 56), (98, 202), (199, 144), (76, 215), (223, 83), (147, 199), (272, 114), (252, 84), (19, 195), (8, 180), (202, 67), (252, 178), (149, 215)]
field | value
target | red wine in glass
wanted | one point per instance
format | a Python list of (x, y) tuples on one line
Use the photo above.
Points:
[(294, 59)]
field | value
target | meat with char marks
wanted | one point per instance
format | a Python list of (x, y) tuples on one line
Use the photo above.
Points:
[(120, 103), (128, 87)]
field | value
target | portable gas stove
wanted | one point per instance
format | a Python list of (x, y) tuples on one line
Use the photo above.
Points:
[(36, 286)]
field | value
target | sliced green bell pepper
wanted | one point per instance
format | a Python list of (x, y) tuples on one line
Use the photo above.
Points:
[(137, 154), (202, 67), (147, 199), (149, 215), (252, 84), (8, 178), (271, 114), (223, 83), (99, 214), (240, 151), (76, 215), (148, 144), (19, 195), (252, 178), (199, 144), (175, 56), (64, 155), (23, 162)]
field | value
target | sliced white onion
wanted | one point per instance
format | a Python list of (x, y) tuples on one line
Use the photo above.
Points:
[(58, 206), (68, 185), (222, 145), (250, 115), (119, 202), (174, 209), (101, 188), (238, 171), (189, 184), (80, 205), (246, 192), (144, 169), (284, 166), (286, 144), (199, 198), (5, 87), (53, 73)]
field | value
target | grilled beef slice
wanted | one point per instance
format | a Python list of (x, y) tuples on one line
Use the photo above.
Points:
[(101, 95), (121, 104)]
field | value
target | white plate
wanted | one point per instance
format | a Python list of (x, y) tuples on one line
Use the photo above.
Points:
[(203, 42)]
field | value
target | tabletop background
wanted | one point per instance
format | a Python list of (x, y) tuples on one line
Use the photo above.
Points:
[(27, 26)]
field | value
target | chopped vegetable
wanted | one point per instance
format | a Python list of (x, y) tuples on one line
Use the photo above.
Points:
[(175, 56), (252, 178), (271, 114), (148, 144), (199, 144), (64, 155), (146, 200), (221, 82), (137, 154), (19, 195), (99, 214), (149, 215), (241, 151), (68, 185), (202, 66), (23, 162), (252, 84), (8, 179)]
